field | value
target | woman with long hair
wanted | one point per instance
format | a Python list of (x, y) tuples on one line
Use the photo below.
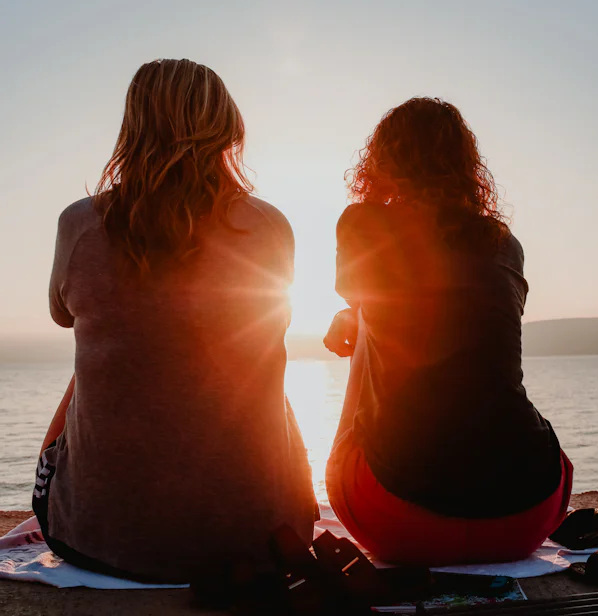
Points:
[(440, 458), (174, 451)]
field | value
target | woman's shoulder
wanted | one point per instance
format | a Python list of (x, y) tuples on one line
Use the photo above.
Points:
[(350, 218), (254, 211), (510, 252), (513, 244), (78, 217), (362, 219), (352, 212), (512, 247)]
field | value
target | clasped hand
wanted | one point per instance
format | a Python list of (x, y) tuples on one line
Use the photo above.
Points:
[(342, 334)]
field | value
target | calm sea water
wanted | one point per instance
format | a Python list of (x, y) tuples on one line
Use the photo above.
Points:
[(564, 389)]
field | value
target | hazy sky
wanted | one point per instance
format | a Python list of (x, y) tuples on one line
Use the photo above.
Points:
[(312, 79)]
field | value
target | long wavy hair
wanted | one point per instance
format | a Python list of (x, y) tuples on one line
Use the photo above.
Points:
[(423, 154), (177, 162)]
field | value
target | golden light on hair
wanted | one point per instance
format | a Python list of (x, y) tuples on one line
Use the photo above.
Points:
[(177, 163), (423, 154)]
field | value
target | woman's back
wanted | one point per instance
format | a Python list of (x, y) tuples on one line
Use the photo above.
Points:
[(443, 416), (177, 443)]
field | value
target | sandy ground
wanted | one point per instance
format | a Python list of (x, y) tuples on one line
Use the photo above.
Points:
[(24, 599)]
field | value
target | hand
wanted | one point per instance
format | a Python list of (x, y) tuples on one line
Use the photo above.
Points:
[(342, 335)]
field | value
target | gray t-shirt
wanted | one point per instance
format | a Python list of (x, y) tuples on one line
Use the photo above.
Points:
[(178, 447)]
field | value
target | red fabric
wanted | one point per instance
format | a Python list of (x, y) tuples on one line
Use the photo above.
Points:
[(398, 531)]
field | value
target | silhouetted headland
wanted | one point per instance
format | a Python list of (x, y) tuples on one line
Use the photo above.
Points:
[(561, 337)]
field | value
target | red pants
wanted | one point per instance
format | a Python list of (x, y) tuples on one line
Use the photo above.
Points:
[(398, 531)]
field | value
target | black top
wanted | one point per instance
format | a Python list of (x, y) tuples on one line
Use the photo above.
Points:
[(442, 416)]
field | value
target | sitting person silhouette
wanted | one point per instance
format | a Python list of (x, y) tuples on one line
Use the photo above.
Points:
[(439, 458), (174, 451)]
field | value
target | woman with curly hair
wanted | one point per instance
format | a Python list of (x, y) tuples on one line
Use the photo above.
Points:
[(440, 458), (174, 453)]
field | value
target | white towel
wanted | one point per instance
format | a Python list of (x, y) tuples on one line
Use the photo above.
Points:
[(25, 556)]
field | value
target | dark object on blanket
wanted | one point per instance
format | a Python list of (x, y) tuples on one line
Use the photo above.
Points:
[(588, 571), (219, 586), (338, 581), (578, 531)]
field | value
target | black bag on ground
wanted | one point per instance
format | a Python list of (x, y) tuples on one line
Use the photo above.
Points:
[(578, 531), (338, 581)]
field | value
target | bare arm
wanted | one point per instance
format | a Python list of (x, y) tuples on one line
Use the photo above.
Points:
[(57, 424), (342, 334)]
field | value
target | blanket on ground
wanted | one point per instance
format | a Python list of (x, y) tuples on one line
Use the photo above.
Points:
[(25, 556)]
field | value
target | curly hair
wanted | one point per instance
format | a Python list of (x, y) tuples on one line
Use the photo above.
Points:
[(423, 153), (177, 162)]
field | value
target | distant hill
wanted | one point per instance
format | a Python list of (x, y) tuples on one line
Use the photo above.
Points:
[(37, 349), (561, 337)]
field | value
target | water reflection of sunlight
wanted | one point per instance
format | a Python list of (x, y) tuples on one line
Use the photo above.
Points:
[(316, 390)]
